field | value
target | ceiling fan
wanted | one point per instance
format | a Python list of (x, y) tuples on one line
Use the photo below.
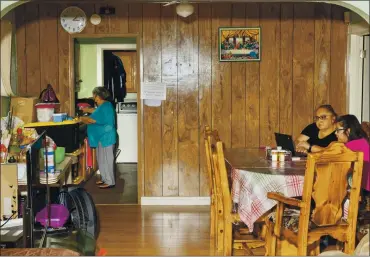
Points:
[(172, 2), (183, 9)]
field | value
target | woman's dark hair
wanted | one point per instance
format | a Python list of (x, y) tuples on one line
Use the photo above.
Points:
[(329, 108), (102, 92), (351, 122)]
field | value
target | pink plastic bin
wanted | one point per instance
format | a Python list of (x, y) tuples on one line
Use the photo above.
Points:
[(58, 215)]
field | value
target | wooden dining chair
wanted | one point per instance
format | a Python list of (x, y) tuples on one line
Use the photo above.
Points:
[(217, 212), (210, 137), (225, 216), (326, 184)]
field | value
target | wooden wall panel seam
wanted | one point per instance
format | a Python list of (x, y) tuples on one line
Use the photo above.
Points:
[(269, 85), (49, 49), (21, 51), (205, 89), (169, 30), (152, 115), (304, 66), (188, 104), (314, 63), (252, 83), (278, 69), (238, 88), (286, 63), (33, 75)]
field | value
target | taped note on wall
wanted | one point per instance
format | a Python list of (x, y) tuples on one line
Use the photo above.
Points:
[(153, 91)]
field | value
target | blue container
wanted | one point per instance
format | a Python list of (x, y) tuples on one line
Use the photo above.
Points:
[(59, 117)]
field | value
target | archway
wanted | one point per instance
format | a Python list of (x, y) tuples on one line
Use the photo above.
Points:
[(359, 7)]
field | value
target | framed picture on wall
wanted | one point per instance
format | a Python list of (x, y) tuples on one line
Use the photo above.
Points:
[(239, 44)]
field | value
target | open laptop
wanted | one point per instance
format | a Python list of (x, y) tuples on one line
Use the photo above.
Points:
[(287, 143)]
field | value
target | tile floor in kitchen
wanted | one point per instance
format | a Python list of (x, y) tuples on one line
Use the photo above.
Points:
[(125, 191)]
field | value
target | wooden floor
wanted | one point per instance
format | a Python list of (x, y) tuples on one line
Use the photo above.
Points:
[(154, 230), (158, 230)]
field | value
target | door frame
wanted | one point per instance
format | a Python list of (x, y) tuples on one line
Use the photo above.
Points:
[(140, 139)]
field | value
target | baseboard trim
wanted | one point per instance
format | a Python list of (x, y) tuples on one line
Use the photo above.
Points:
[(175, 200)]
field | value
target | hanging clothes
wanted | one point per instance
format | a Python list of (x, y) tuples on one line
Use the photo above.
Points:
[(114, 77)]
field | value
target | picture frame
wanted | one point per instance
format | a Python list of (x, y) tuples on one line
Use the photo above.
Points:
[(239, 44)]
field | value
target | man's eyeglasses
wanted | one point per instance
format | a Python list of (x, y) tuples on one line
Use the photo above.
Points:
[(322, 117), (339, 129)]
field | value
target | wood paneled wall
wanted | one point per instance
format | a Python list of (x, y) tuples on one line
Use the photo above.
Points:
[(304, 48)]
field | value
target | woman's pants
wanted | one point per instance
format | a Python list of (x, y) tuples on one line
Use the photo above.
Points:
[(106, 163)]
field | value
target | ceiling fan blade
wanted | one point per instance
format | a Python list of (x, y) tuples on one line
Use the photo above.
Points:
[(171, 3)]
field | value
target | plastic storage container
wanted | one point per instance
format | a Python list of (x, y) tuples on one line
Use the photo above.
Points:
[(60, 154), (59, 214), (59, 117), (45, 112)]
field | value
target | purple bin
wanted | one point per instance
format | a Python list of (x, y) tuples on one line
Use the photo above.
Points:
[(58, 215)]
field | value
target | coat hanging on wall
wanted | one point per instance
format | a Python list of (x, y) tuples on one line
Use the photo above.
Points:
[(114, 77)]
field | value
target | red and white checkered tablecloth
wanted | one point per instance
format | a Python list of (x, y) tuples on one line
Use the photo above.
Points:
[(249, 191)]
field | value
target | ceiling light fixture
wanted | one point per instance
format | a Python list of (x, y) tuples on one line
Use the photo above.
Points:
[(184, 9)]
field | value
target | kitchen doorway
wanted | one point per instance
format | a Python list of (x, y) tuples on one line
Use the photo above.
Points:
[(90, 51)]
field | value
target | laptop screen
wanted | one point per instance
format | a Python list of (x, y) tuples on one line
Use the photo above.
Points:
[(287, 143)]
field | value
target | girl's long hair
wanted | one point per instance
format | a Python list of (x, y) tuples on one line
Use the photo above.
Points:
[(351, 122)]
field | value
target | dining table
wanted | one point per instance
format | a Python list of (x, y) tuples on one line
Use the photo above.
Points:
[(254, 175)]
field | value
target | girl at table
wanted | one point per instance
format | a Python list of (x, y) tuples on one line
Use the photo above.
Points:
[(350, 132), (319, 134)]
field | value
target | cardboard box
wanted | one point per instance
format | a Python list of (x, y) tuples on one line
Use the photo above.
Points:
[(9, 189), (24, 108)]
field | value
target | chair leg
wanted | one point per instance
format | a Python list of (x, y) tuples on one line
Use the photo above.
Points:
[(263, 232), (212, 247), (247, 250), (213, 225), (228, 239), (273, 246), (349, 247), (315, 250), (269, 240), (220, 237), (350, 244)]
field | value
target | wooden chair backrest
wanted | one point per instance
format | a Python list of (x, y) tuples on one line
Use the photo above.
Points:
[(326, 183), (222, 180), (210, 137)]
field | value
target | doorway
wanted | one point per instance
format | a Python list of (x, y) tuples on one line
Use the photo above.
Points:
[(89, 52)]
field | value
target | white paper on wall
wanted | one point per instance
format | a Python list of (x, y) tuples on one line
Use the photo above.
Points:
[(153, 91), (152, 103)]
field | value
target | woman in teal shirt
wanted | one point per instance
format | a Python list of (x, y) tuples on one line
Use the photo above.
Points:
[(101, 132)]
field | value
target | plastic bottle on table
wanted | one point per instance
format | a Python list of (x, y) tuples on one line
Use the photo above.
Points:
[(49, 155)]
